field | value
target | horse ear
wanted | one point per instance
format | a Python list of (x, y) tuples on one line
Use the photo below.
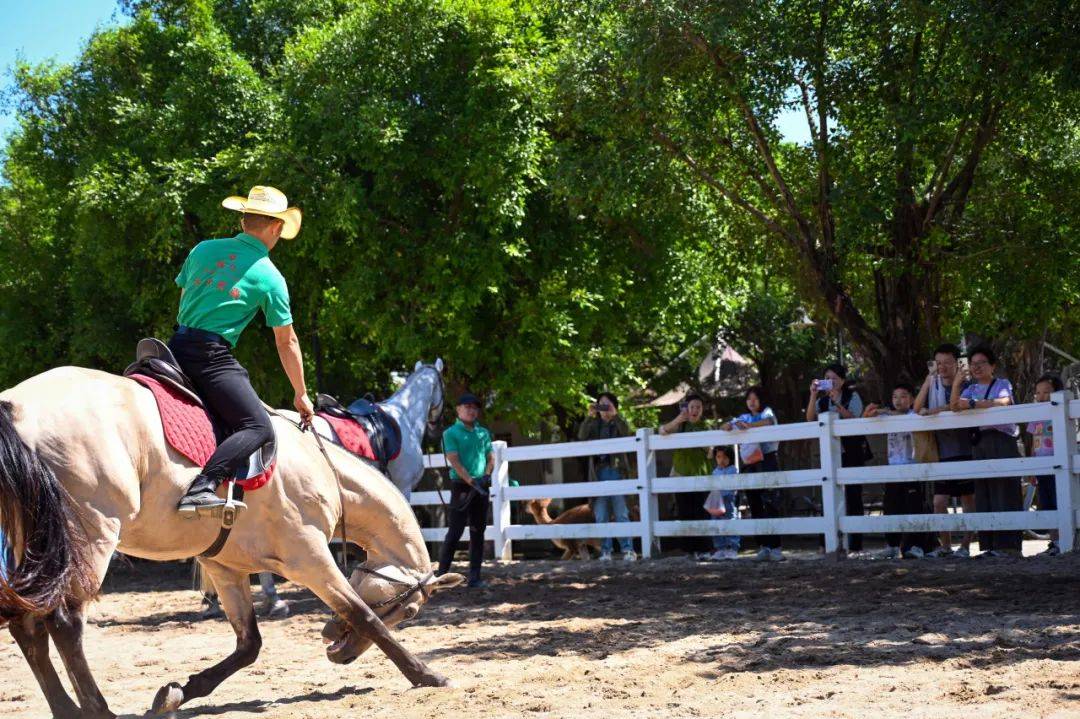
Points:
[(419, 364), (439, 364), (446, 581)]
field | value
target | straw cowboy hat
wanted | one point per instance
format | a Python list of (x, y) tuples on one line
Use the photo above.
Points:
[(269, 201)]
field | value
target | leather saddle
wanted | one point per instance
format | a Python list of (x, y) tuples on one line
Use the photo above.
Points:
[(382, 430), (154, 358)]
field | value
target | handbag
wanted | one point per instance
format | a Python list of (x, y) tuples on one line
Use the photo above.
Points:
[(926, 449), (751, 453)]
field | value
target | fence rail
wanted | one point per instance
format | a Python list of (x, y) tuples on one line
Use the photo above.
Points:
[(1063, 466)]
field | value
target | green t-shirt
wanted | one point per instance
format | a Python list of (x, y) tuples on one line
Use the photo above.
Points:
[(472, 447), (692, 461), (225, 282)]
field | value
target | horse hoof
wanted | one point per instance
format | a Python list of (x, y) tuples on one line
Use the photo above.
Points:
[(433, 679), (168, 699)]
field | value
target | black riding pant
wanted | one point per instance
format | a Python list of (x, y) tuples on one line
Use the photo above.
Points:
[(465, 510), (226, 390)]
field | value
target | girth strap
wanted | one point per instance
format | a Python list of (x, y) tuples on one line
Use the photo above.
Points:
[(223, 533)]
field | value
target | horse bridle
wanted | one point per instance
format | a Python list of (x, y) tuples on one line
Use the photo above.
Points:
[(399, 599)]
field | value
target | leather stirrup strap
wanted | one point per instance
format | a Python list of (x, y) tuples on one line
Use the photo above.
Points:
[(341, 495), (223, 533)]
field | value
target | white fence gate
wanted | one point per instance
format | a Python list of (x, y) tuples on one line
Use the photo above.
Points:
[(1064, 466)]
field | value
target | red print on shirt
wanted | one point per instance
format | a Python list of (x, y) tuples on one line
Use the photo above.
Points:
[(221, 263), (221, 285), (234, 293)]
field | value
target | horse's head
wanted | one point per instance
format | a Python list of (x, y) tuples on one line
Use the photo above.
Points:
[(394, 593), (438, 393)]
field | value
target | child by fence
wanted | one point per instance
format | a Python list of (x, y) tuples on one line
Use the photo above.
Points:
[(721, 504)]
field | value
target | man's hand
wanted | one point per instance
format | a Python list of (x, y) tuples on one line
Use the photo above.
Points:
[(871, 411), (303, 405)]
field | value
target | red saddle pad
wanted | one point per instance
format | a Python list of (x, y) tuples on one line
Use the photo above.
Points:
[(188, 429), (351, 435)]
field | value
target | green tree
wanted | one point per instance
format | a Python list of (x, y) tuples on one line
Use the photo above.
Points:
[(912, 107)]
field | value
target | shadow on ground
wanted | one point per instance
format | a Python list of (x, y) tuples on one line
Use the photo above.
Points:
[(764, 617)]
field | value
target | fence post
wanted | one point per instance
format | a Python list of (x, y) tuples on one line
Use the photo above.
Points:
[(832, 494), (647, 504), (1064, 450), (500, 505)]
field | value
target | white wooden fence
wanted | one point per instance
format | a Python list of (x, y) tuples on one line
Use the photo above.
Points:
[(1064, 466)]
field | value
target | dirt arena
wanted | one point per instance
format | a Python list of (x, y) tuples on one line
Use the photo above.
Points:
[(670, 637)]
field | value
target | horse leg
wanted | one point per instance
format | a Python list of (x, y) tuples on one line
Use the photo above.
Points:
[(65, 626), (33, 640), (319, 574), (234, 592)]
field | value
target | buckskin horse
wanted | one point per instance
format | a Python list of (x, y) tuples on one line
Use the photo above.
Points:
[(85, 469)]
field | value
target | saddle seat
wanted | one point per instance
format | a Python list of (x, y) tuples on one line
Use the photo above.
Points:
[(154, 358), (190, 427)]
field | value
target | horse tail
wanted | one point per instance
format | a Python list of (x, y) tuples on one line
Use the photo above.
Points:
[(40, 527)]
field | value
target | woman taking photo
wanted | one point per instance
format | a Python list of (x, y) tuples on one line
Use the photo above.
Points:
[(835, 394)]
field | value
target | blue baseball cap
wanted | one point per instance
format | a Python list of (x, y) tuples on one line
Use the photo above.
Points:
[(469, 398)]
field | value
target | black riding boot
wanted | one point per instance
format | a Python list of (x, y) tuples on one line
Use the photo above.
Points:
[(201, 495)]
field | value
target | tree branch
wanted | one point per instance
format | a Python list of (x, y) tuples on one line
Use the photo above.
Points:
[(810, 124), (756, 132), (678, 151), (825, 216), (956, 192), (838, 301), (937, 180)]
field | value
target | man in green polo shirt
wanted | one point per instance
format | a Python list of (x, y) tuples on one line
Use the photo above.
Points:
[(223, 284), (467, 446)]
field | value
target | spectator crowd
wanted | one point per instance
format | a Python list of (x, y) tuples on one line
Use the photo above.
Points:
[(953, 383)]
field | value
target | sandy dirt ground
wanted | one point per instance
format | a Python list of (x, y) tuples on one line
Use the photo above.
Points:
[(669, 637)]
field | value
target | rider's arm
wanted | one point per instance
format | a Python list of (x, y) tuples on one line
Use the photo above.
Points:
[(490, 466), (288, 347)]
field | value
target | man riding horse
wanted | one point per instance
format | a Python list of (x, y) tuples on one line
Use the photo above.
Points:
[(224, 283)]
